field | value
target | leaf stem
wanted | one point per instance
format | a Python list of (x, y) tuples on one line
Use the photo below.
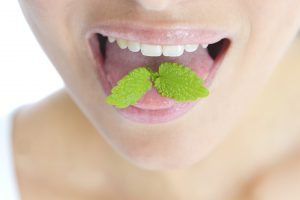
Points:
[(154, 75)]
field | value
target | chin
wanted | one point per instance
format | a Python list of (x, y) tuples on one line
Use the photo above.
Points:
[(163, 151), (172, 158)]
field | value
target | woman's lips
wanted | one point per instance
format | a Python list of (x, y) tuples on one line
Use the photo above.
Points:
[(153, 108)]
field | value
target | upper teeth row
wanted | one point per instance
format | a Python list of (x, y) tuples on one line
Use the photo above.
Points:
[(155, 50)]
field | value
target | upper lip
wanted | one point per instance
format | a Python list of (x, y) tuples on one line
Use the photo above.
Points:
[(160, 35)]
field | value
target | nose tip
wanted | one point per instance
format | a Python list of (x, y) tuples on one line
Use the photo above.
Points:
[(156, 5)]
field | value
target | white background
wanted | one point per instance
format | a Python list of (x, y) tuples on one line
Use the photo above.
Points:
[(26, 74)]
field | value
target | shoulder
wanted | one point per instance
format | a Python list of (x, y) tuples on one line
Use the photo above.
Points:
[(42, 135), (48, 114), (53, 118), (280, 182)]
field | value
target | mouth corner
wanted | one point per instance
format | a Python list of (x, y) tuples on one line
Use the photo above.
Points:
[(96, 48), (218, 49)]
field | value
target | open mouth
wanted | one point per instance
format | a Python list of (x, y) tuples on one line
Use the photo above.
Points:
[(117, 54)]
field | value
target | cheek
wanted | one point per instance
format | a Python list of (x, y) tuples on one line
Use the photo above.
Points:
[(44, 4), (50, 22), (266, 15), (45, 12), (273, 25)]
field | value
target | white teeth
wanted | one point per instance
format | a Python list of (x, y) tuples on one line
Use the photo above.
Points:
[(134, 46), (191, 47), (155, 50), (111, 39), (204, 46), (173, 51), (122, 43), (151, 50)]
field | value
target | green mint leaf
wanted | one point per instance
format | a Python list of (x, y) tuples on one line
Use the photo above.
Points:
[(179, 82), (154, 75), (173, 80), (130, 88)]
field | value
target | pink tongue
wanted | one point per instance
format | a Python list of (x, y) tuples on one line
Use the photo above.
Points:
[(119, 62)]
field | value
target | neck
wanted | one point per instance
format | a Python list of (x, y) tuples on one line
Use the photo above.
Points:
[(72, 151)]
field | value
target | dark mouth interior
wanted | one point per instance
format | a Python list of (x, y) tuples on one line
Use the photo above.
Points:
[(214, 50), (102, 43)]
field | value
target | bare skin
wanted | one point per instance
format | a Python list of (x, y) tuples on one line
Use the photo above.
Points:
[(59, 155)]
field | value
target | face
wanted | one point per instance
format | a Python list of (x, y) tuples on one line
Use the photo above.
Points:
[(160, 133)]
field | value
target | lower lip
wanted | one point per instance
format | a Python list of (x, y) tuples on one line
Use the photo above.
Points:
[(151, 116), (147, 116)]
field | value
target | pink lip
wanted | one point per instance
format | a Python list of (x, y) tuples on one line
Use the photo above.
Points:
[(158, 35), (155, 36)]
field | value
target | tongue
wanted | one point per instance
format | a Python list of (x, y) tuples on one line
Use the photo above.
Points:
[(119, 62)]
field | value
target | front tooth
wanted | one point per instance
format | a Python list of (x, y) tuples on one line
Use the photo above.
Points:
[(151, 50), (191, 47), (134, 46), (204, 46), (122, 43), (111, 39), (173, 51)]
